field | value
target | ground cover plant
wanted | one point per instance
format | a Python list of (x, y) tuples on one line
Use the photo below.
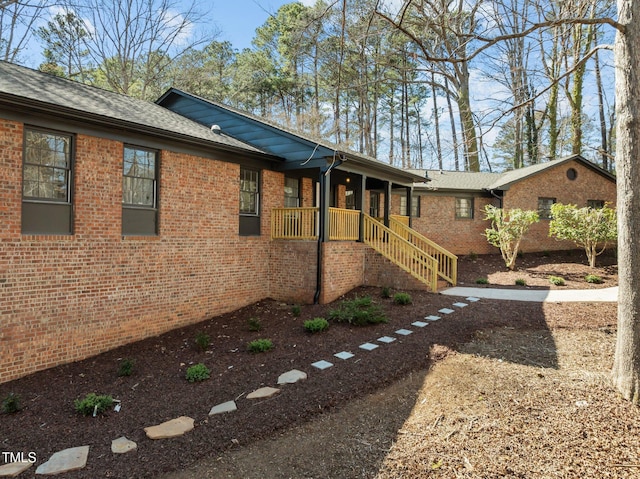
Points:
[(197, 372), (158, 392), (359, 311), (316, 325)]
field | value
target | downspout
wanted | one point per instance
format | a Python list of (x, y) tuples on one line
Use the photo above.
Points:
[(324, 174), (499, 198)]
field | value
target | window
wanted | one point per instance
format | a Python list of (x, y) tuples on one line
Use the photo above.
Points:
[(291, 192), (544, 207), (139, 191), (415, 206), (464, 208), (595, 204), (572, 174), (249, 202), (374, 204), (46, 183), (403, 205), (350, 199)]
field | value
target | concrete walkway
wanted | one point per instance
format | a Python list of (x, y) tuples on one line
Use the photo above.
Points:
[(606, 295)]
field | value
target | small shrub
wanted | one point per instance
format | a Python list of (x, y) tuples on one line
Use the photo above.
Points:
[(11, 403), (203, 341), (386, 292), (594, 279), (197, 372), (254, 324), (521, 282), (316, 325), (482, 281), (358, 312), (402, 298), (296, 310), (126, 367), (472, 256), (260, 346), (556, 280), (93, 404)]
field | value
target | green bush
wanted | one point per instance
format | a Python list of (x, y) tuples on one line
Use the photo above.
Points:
[(203, 341), (260, 346), (296, 310), (521, 282), (358, 312), (386, 292), (93, 404), (556, 280), (594, 279), (126, 367), (482, 281), (11, 403), (197, 372), (254, 324), (316, 325), (402, 298)]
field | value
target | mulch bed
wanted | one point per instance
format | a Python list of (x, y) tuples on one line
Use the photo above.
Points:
[(158, 391)]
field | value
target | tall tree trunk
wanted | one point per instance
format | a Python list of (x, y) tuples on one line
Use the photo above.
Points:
[(603, 121), (454, 134), (436, 120), (466, 119), (626, 367)]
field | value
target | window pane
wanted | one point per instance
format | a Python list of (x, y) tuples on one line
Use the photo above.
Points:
[(139, 177), (249, 194), (47, 163)]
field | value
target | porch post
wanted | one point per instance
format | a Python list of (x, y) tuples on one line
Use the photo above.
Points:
[(325, 191), (387, 202), (363, 190), (409, 194)]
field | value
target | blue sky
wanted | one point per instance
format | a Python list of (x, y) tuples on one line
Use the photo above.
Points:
[(237, 20)]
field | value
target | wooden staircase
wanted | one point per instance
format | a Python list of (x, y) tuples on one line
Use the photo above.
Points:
[(412, 252)]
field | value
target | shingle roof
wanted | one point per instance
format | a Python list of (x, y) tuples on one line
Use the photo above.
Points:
[(103, 106), (473, 181)]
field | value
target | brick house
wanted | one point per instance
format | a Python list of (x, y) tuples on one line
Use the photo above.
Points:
[(123, 219), (459, 199)]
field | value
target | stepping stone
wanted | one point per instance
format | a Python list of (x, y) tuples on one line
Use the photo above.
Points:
[(446, 311), (460, 305), (419, 324), (344, 355), (322, 364), (404, 332), (386, 339), (14, 468), (472, 299), (65, 461), (263, 393), (432, 318), (228, 406), (292, 377), (122, 445), (368, 346), (175, 427)]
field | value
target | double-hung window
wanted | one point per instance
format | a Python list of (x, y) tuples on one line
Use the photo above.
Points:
[(249, 202), (46, 183), (544, 207), (415, 206), (464, 208), (140, 191), (291, 192)]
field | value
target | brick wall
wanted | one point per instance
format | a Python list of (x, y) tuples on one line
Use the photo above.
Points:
[(342, 268), (381, 272), (63, 298), (293, 272)]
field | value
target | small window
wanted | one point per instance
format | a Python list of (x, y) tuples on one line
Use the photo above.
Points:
[(572, 174), (403, 205), (595, 204), (544, 207), (374, 204), (464, 208), (291, 192), (140, 191), (46, 183), (415, 206), (249, 202), (350, 199)]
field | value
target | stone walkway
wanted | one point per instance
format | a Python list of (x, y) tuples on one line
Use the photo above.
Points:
[(76, 458)]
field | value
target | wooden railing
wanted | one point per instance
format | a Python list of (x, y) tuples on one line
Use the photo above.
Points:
[(400, 218), (344, 225), (402, 253), (294, 223), (447, 261)]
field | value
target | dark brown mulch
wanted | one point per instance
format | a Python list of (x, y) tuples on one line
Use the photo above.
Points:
[(157, 391)]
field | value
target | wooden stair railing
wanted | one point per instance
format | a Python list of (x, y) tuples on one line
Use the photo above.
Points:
[(447, 261), (401, 252)]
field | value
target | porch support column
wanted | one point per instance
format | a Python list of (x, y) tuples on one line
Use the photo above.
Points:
[(325, 192), (387, 202), (409, 193), (361, 200)]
